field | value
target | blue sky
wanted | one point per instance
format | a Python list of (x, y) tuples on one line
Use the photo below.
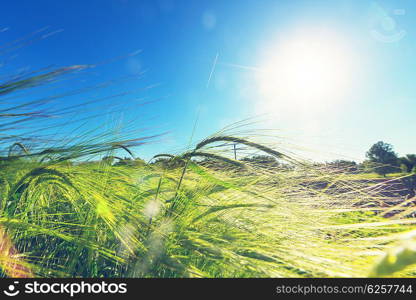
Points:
[(205, 58)]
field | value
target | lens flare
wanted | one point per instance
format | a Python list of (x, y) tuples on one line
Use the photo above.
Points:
[(307, 70)]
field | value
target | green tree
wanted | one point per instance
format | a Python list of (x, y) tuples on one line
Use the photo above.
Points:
[(409, 161), (385, 159)]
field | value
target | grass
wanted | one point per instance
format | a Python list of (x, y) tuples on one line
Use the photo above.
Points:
[(95, 219)]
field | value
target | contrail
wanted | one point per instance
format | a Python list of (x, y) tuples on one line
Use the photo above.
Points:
[(212, 70), (241, 67), (51, 33)]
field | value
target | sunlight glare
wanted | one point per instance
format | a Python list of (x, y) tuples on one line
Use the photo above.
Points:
[(305, 70)]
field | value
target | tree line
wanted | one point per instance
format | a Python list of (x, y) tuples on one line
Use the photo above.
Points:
[(381, 159)]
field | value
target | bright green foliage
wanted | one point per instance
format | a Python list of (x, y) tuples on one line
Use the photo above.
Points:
[(397, 259), (101, 220)]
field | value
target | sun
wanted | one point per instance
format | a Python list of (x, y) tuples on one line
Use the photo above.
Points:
[(307, 70)]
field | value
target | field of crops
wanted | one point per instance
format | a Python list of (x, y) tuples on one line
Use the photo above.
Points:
[(212, 218)]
